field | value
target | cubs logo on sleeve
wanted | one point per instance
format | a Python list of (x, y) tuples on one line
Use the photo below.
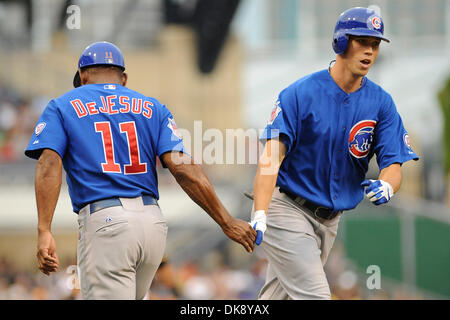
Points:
[(361, 137), (275, 112), (39, 128), (407, 142), (173, 126)]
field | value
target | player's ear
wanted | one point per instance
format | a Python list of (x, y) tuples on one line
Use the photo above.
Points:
[(124, 79), (84, 77)]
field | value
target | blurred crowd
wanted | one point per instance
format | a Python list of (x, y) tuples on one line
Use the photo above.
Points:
[(18, 116), (190, 280), (18, 284)]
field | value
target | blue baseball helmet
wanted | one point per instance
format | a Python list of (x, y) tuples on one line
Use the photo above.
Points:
[(357, 21), (99, 53)]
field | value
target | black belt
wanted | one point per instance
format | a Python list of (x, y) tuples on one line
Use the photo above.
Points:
[(114, 202), (317, 210)]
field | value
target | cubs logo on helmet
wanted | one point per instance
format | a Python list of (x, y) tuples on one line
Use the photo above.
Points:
[(361, 137), (376, 22), (99, 53)]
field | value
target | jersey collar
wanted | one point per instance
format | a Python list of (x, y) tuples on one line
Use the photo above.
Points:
[(329, 77)]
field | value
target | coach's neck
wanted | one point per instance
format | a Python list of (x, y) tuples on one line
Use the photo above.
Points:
[(102, 75)]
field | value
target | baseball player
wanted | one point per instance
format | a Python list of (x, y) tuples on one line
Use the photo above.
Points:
[(323, 132), (108, 137)]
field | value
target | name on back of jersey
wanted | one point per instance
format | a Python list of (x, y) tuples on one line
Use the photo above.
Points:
[(113, 104)]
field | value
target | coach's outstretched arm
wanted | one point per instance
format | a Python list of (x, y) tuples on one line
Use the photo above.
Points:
[(47, 186), (265, 180), (195, 183)]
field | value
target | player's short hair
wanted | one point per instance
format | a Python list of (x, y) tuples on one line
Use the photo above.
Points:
[(104, 67)]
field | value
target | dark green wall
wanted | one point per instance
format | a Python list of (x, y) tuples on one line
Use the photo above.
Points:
[(433, 255), (375, 239)]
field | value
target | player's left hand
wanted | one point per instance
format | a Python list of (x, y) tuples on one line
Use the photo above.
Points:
[(378, 191)]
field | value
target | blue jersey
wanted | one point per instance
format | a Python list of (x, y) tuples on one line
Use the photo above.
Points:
[(330, 137), (108, 137)]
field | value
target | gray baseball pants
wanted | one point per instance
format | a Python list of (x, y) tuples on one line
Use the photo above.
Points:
[(119, 250), (296, 245)]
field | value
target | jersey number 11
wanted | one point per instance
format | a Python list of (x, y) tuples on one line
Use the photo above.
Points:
[(129, 128)]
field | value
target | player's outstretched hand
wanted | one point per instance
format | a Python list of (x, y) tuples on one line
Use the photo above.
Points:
[(47, 258), (378, 191), (259, 224), (240, 232)]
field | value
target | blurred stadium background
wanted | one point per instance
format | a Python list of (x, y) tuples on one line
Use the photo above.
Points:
[(224, 62)]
